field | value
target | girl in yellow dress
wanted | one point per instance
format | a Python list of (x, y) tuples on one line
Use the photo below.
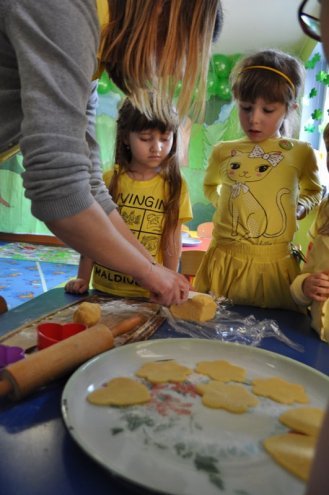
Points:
[(260, 186), (151, 194), (311, 287)]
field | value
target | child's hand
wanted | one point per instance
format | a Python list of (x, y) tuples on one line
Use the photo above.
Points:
[(316, 286), (77, 286)]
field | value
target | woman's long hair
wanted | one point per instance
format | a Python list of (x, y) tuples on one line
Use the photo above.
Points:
[(130, 119), (156, 44)]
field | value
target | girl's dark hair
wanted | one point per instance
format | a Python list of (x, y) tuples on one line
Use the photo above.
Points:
[(130, 119), (248, 85)]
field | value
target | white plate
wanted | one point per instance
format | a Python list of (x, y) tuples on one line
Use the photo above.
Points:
[(175, 445), (191, 241)]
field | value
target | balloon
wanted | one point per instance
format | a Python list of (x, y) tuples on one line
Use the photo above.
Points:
[(104, 84), (212, 84), (221, 65), (178, 89), (234, 58), (224, 90)]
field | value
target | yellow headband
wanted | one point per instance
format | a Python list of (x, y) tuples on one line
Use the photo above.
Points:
[(266, 67)]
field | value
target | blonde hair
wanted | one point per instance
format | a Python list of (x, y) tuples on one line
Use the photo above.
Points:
[(156, 44)]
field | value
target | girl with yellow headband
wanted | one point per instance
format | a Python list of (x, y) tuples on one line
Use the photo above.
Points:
[(260, 186)]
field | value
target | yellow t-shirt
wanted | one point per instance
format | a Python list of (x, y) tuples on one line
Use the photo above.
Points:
[(255, 188), (141, 205)]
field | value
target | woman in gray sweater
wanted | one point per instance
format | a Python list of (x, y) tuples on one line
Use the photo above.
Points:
[(48, 56)]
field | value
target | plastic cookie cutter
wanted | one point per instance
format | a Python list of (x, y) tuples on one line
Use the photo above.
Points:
[(50, 333), (10, 354)]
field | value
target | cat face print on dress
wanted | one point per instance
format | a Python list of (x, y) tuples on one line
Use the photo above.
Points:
[(247, 211)]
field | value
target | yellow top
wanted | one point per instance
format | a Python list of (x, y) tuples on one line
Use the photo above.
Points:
[(255, 188), (141, 205)]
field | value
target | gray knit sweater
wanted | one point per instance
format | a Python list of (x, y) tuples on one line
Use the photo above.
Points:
[(47, 103)]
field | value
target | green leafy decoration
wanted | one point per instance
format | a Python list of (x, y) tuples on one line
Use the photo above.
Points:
[(310, 64), (317, 114), (313, 93), (309, 128), (323, 77)]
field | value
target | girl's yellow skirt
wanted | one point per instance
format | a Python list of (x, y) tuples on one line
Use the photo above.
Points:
[(253, 275)]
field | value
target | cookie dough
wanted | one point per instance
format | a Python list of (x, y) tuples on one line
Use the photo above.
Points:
[(87, 313), (200, 307), (120, 391), (221, 370), (232, 397), (292, 451), (163, 371), (307, 420), (279, 390)]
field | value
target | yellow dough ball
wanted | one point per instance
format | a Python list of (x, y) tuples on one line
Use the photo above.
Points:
[(87, 313)]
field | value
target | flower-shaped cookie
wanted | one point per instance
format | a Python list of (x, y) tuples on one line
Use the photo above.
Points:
[(232, 397), (163, 371), (279, 390)]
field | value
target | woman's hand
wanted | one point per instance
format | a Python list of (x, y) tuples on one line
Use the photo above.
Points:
[(76, 286), (316, 286), (166, 286)]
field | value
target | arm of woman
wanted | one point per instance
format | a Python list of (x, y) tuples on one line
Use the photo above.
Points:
[(95, 236), (121, 226)]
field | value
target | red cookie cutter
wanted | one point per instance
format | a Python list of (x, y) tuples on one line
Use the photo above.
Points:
[(51, 333)]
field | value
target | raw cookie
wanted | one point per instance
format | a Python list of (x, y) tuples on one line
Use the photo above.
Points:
[(221, 370), (307, 420), (232, 397), (163, 371), (279, 390), (293, 451), (120, 391), (200, 307), (87, 313)]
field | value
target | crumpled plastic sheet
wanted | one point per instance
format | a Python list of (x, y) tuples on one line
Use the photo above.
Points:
[(229, 326)]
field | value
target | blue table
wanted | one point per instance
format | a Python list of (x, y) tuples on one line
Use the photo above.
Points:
[(38, 455)]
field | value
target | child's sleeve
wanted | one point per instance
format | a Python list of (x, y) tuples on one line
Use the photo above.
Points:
[(309, 183), (296, 290)]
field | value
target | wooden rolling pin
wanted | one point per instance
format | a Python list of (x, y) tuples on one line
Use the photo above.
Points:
[(25, 376)]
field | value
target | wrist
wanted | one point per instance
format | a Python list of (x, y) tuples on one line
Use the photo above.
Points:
[(147, 274)]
